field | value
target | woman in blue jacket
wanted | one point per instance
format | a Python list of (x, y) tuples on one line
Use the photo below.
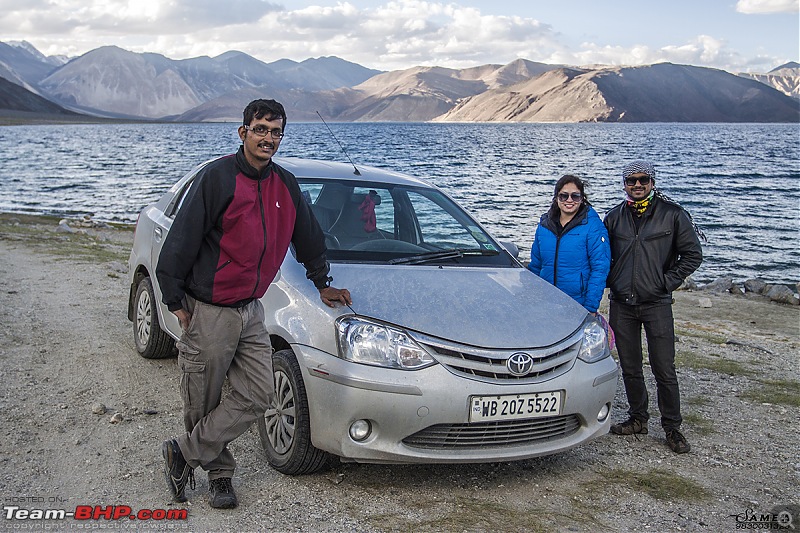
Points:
[(570, 248)]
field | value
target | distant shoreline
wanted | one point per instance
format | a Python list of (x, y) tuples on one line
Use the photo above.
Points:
[(7, 217), (26, 118), (52, 221)]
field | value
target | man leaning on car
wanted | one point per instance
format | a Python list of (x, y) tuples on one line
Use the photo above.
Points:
[(223, 250)]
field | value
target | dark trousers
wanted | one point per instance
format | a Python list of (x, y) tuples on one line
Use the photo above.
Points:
[(627, 322)]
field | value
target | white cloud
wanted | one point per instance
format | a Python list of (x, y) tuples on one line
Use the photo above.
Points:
[(703, 51), (395, 34), (755, 7), (400, 34), (128, 17)]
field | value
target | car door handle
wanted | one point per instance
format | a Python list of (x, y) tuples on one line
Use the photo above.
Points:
[(158, 232)]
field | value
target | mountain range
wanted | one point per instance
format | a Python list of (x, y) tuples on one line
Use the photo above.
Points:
[(115, 83)]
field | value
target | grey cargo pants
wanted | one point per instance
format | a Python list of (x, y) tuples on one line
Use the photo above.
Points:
[(222, 341)]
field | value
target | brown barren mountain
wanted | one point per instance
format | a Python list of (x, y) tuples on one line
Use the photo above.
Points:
[(517, 71), (423, 93), (656, 93), (300, 105), (113, 82), (19, 105), (416, 94), (562, 95), (785, 78)]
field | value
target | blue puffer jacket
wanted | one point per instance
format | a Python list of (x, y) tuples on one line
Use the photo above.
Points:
[(576, 261)]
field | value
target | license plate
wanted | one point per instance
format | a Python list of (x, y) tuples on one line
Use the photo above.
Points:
[(514, 406)]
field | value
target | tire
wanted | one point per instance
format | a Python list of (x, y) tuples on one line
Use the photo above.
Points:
[(284, 429), (151, 341)]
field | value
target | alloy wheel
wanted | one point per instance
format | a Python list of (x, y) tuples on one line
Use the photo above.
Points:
[(144, 317), (281, 419)]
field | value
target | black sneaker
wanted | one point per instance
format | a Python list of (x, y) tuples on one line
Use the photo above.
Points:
[(677, 442), (221, 494), (631, 426), (176, 470)]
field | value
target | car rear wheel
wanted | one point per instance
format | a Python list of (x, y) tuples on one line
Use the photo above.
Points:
[(284, 429), (151, 341)]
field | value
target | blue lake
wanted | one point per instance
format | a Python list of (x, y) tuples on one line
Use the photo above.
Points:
[(741, 182)]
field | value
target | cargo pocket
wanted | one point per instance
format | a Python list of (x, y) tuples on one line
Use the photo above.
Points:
[(193, 377)]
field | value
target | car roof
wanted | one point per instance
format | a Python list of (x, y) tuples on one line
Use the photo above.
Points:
[(314, 168)]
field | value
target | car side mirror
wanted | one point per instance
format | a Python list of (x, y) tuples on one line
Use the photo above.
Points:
[(511, 248)]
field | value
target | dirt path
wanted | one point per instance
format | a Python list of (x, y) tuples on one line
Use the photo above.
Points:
[(66, 344)]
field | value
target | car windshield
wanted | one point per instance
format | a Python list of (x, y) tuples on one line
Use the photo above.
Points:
[(397, 224)]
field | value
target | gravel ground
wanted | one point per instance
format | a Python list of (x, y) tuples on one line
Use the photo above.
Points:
[(66, 346)]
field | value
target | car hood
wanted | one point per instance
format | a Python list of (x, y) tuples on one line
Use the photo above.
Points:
[(503, 308)]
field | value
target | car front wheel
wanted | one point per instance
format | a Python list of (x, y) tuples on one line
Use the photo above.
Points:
[(284, 429), (151, 341)]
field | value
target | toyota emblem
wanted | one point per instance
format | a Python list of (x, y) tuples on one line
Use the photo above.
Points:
[(519, 364)]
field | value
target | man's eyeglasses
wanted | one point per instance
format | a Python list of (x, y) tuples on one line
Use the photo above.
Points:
[(563, 197), (261, 131), (630, 182)]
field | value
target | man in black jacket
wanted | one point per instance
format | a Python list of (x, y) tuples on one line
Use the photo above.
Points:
[(223, 250), (654, 248)]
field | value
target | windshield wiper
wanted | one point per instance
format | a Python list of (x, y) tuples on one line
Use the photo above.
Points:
[(440, 255)]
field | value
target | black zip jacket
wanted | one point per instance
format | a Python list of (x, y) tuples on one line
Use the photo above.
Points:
[(232, 233), (649, 263)]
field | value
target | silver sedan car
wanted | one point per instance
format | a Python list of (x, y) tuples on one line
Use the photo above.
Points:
[(452, 351)]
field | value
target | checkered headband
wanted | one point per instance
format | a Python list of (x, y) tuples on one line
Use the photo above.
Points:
[(639, 167)]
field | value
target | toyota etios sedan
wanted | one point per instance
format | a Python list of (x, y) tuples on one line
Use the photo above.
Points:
[(452, 351)]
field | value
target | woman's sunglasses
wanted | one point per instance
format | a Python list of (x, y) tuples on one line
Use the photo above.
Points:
[(563, 197), (630, 182)]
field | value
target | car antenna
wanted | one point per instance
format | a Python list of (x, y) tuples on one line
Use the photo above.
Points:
[(357, 173)]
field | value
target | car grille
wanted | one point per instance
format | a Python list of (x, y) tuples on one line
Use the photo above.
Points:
[(500, 433), (490, 365)]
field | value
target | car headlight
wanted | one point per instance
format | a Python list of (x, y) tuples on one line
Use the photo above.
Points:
[(373, 343), (594, 345)]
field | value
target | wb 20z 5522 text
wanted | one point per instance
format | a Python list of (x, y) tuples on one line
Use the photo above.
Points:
[(518, 406)]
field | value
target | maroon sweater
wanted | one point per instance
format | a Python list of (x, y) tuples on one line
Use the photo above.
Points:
[(232, 233)]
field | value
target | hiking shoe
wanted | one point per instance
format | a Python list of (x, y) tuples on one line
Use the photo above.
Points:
[(631, 426), (677, 442), (176, 470), (221, 494)]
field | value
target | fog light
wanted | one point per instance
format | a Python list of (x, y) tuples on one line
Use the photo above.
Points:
[(603, 414), (360, 430)]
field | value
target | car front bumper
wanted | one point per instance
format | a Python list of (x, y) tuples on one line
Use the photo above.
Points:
[(422, 416)]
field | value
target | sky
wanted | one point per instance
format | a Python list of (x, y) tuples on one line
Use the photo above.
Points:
[(734, 35)]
